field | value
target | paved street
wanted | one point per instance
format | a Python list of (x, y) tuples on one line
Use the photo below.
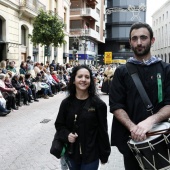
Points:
[(25, 140)]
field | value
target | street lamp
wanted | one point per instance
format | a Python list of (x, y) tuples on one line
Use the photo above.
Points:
[(84, 45), (96, 59), (75, 48)]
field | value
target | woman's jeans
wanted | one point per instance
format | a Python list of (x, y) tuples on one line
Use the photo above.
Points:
[(75, 166)]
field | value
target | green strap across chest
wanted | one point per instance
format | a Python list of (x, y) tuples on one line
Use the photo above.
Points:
[(159, 83)]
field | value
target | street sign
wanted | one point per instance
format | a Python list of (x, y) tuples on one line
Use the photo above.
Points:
[(108, 57)]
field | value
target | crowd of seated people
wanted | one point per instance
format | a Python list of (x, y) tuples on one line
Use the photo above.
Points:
[(22, 86)]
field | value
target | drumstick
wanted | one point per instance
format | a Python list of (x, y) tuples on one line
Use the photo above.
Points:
[(158, 132)]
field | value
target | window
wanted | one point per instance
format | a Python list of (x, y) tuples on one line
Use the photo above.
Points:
[(23, 35), (0, 29), (124, 47), (98, 11), (75, 24), (55, 10), (104, 33), (97, 28)]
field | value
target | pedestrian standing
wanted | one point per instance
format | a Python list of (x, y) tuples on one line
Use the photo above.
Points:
[(108, 75), (130, 115), (82, 123)]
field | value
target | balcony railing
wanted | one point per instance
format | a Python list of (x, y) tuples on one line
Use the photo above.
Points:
[(84, 32), (31, 7), (85, 12), (58, 16)]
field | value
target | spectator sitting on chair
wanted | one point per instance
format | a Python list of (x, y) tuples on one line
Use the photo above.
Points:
[(47, 65), (54, 75), (30, 82), (30, 68), (23, 67), (53, 65), (51, 69), (44, 79), (12, 68), (8, 94), (3, 110), (61, 78), (20, 87), (26, 87), (17, 93), (65, 76), (3, 66), (37, 68), (54, 85), (41, 86)]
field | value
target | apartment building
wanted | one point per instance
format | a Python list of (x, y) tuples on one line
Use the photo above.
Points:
[(16, 22), (161, 28), (121, 14), (87, 29)]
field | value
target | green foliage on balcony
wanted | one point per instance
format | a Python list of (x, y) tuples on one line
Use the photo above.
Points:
[(47, 29)]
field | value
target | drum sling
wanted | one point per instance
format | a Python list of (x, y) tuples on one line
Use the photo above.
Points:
[(132, 70)]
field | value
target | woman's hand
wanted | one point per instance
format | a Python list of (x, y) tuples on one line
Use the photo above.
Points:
[(72, 137)]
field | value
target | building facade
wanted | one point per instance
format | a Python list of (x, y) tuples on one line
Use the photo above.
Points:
[(161, 28), (121, 14), (16, 22), (87, 29)]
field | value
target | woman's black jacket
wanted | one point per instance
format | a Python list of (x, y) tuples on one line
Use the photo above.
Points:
[(92, 130)]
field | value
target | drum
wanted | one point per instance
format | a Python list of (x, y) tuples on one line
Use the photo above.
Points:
[(154, 152)]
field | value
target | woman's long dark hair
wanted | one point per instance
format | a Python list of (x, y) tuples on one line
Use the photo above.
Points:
[(71, 86)]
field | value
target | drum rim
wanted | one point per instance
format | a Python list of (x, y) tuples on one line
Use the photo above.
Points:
[(153, 142)]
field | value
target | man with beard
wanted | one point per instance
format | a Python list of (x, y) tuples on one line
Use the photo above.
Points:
[(131, 117)]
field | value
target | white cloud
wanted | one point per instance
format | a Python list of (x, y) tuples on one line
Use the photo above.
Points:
[(152, 6)]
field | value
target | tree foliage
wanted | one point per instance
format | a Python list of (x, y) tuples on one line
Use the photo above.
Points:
[(47, 29)]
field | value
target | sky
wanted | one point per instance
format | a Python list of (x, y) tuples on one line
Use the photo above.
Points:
[(152, 6)]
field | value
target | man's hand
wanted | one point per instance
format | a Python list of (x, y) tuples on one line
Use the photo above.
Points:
[(138, 132)]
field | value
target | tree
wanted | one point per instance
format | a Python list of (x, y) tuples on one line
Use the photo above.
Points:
[(47, 29)]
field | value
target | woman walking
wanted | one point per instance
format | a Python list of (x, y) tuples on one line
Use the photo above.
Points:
[(82, 123)]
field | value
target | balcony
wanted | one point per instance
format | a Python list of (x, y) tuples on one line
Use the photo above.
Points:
[(85, 33), (92, 3), (30, 8), (90, 13)]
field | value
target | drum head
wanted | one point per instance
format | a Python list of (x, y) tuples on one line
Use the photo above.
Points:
[(156, 127)]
